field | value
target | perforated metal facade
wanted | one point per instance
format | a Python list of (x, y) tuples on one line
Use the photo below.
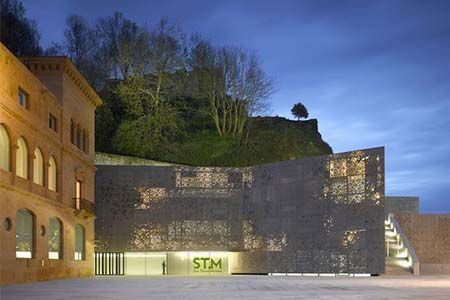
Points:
[(323, 214)]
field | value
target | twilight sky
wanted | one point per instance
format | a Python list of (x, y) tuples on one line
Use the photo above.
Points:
[(374, 73)]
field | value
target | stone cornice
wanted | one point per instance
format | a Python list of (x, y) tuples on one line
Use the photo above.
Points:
[(64, 65), (81, 83), (38, 197), (69, 149), (11, 58)]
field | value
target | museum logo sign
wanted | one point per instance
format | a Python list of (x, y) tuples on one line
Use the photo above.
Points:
[(207, 264)]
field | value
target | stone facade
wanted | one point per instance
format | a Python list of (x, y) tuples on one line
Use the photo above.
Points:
[(429, 235), (321, 215), (55, 120)]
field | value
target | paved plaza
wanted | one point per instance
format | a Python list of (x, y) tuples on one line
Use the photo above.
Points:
[(233, 287)]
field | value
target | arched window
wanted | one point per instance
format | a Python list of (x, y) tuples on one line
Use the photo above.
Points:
[(22, 159), (52, 174), (54, 238), (4, 148), (79, 243), (24, 234), (38, 167)]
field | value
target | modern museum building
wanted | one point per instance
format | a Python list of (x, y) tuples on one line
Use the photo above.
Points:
[(315, 215)]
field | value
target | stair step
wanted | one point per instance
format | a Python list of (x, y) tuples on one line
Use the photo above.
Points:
[(396, 266), (395, 247), (390, 240)]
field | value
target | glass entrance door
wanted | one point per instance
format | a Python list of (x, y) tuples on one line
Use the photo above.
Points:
[(176, 263), (144, 263)]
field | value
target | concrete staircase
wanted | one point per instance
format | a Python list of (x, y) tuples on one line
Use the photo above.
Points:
[(396, 266), (398, 258)]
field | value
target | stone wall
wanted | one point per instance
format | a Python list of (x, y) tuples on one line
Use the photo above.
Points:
[(401, 204), (430, 236), (323, 214)]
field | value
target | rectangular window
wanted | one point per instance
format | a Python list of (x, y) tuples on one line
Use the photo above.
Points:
[(72, 132), (86, 142), (78, 193), (54, 238), (23, 99), (24, 234), (83, 139), (79, 243), (78, 142), (53, 123)]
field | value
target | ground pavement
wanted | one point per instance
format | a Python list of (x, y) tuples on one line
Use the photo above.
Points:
[(234, 287)]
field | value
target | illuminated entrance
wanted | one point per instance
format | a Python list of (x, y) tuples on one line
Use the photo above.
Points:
[(176, 263)]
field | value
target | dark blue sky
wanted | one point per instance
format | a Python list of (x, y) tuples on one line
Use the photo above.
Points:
[(374, 73)]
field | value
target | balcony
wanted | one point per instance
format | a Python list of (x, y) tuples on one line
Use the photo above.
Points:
[(83, 207)]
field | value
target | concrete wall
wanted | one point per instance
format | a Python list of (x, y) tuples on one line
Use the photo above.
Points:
[(121, 160), (430, 236), (323, 214), (401, 204)]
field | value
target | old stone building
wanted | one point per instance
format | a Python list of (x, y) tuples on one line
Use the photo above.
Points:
[(46, 169)]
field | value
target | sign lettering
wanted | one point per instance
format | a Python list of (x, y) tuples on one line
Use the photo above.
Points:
[(207, 264)]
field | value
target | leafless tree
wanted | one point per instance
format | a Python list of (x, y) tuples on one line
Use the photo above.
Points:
[(234, 82), (165, 57), (126, 43)]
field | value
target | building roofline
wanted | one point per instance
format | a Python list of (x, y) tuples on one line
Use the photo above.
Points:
[(64, 64), (10, 57), (162, 164)]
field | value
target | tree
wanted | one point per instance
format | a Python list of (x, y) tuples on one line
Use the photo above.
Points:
[(91, 55), (126, 44), (19, 34), (166, 57), (234, 83), (299, 111), (150, 136), (207, 68), (247, 85), (79, 39)]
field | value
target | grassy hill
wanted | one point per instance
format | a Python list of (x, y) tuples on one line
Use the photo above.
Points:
[(271, 139)]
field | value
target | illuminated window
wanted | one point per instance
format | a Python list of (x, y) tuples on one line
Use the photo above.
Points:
[(4, 149), (23, 99), (54, 238), (22, 159), (52, 174), (38, 167), (338, 168), (78, 193), (24, 234), (79, 243)]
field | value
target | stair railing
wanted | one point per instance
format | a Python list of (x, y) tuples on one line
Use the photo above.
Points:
[(410, 252)]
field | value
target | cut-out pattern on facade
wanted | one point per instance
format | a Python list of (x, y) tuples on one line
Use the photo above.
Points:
[(321, 214)]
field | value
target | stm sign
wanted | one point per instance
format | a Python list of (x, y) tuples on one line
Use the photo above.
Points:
[(207, 264)]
